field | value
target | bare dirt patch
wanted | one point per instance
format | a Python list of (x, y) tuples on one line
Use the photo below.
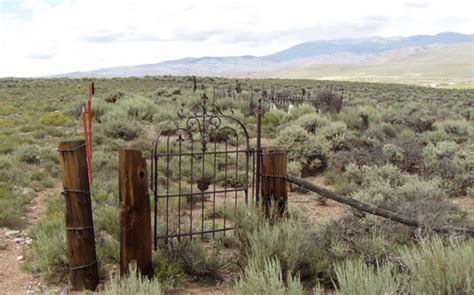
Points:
[(13, 280)]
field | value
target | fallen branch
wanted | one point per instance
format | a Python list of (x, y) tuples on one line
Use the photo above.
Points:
[(370, 209)]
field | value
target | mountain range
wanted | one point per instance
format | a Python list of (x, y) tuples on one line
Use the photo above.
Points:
[(328, 59)]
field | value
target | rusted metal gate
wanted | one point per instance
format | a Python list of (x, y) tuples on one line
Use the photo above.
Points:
[(202, 167)]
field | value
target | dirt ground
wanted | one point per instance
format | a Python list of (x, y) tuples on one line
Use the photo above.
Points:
[(13, 280)]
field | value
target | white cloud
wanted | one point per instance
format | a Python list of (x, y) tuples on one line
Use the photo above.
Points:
[(41, 37)]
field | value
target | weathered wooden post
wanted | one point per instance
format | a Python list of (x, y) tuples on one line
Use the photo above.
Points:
[(274, 182), (135, 220), (80, 238)]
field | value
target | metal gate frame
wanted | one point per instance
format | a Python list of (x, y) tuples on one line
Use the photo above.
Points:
[(195, 135)]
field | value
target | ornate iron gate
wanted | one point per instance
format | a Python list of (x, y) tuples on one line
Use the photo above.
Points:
[(202, 167)]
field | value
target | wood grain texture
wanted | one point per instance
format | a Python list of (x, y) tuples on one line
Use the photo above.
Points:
[(135, 219), (274, 183), (79, 224)]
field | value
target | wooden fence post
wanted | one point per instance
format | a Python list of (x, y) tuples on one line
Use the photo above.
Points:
[(274, 183), (80, 238), (135, 220)]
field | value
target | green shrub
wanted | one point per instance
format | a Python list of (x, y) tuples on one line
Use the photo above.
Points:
[(138, 108), (122, 130), (13, 206), (300, 110), (304, 148), (311, 122), (273, 118), (388, 183), (28, 154), (115, 96), (356, 277), (49, 248), (132, 283), (452, 164), (266, 278), (458, 131), (260, 240), (439, 269), (196, 258), (393, 153), (54, 119)]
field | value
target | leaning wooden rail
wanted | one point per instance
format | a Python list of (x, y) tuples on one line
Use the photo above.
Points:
[(372, 210)]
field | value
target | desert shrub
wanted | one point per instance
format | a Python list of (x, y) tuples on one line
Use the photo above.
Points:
[(328, 101), (54, 119), (165, 112), (132, 283), (106, 218), (28, 154), (161, 92), (393, 153), (335, 134), (418, 124), (195, 258), (49, 248), (311, 122), (300, 110), (304, 148), (167, 270), (452, 164), (458, 131), (259, 238), (273, 118), (267, 278), (388, 183), (233, 180), (356, 277), (122, 129), (439, 269), (99, 109), (114, 96), (138, 108), (294, 168), (381, 132), (12, 205)]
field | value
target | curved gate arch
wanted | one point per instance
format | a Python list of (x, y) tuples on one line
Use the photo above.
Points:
[(202, 167)]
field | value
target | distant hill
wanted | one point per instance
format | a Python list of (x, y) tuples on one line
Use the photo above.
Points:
[(329, 58), (441, 65)]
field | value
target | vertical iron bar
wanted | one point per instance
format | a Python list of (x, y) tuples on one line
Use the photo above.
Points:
[(155, 175), (236, 169), (214, 195), (191, 196), (179, 188), (259, 149), (225, 184), (202, 196), (167, 186)]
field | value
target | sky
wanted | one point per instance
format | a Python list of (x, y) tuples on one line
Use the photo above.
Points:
[(44, 37)]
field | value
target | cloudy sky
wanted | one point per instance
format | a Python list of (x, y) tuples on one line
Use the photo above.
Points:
[(40, 37)]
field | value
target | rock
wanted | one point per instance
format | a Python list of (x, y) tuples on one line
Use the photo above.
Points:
[(11, 234), (28, 241), (20, 258), (26, 191), (20, 241)]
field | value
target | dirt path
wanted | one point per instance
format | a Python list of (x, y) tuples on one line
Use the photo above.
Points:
[(318, 212), (13, 280)]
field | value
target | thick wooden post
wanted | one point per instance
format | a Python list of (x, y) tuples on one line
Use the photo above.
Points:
[(274, 184), (135, 221), (80, 239)]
